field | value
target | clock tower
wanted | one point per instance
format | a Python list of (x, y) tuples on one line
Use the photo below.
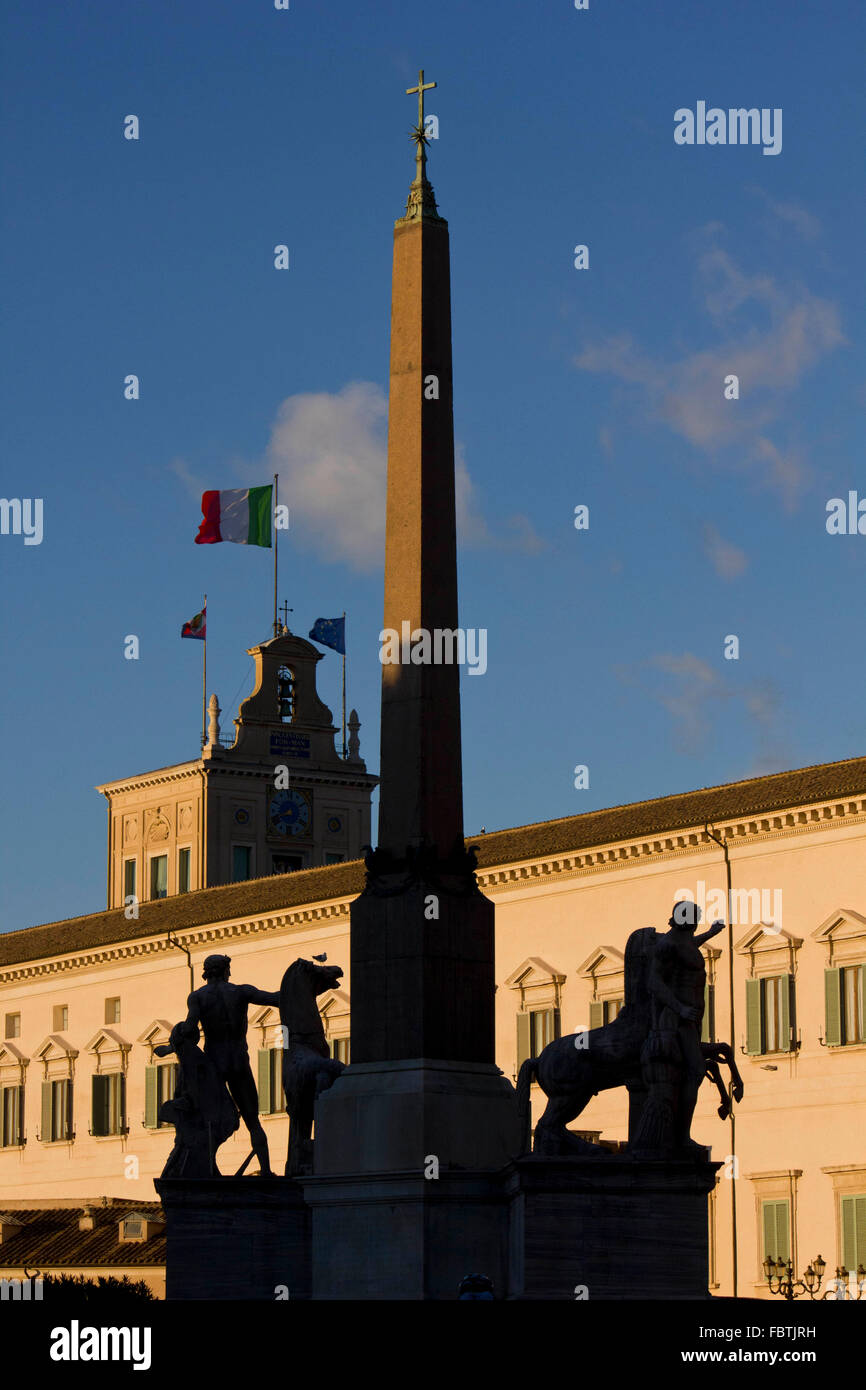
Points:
[(274, 797)]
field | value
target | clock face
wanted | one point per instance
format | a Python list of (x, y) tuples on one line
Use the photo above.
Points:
[(290, 812)]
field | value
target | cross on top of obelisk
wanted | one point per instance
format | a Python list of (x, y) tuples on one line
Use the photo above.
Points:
[(421, 200), (420, 89)]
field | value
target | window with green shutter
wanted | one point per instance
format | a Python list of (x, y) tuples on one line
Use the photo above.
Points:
[(753, 1017), (264, 1080), (596, 1013), (108, 1113), (543, 1029), (167, 1077), (853, 1231), (56, 1111), (12, 1116), (150, 1097), (523, 1046), (851, 984), (776, 1226), (833, 1007), (270, 1081), (708, 1022)]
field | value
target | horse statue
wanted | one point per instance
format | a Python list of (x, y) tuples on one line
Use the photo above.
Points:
[(652, 1047), (308, 1068), (201, 1109)]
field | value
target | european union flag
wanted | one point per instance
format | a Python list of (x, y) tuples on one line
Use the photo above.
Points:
[(330, 632)]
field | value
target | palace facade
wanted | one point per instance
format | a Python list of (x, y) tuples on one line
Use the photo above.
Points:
[(84, 1002)]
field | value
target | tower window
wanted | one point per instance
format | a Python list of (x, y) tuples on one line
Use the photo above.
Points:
[(241, 863), (286, 694), (183, 870), (159, 876)]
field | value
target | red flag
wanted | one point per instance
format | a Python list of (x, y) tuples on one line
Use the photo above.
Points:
[(197, 626)]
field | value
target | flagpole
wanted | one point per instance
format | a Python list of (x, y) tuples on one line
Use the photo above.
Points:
[(344, 685), (274, 533), (204, 679)]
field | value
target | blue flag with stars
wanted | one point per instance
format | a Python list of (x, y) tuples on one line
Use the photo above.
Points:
[(330, 632)]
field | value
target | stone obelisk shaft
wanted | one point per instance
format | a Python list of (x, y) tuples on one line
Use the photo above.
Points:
[(421, 778), (422, 934)]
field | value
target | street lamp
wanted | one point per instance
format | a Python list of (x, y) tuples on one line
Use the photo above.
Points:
[(843, 1288), (780, 1278)]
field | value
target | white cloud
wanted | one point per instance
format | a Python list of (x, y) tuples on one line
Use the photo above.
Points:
[(728, 561), (330, 450), (792, 213), (770, 358), (694, 693)]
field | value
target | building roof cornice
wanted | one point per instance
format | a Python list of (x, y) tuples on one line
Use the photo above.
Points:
[(770, 808)]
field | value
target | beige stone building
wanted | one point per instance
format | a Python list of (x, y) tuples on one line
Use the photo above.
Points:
[(229, 815), (84, 1002)]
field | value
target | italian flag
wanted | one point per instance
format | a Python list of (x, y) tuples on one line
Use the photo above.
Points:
[(242, 515)]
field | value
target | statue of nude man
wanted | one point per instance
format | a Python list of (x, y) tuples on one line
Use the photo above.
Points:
[(676, 983), (221, 1009)]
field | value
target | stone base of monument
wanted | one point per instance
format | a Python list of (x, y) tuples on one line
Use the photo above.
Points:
[(404, 1236), (236, 1238), (608, 1228), (389, 1116), (381, 1228)]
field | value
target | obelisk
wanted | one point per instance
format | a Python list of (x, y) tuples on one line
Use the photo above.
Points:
[(422, 1083)]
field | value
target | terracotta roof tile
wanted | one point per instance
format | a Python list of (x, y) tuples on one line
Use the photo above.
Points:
[(50, 1238)]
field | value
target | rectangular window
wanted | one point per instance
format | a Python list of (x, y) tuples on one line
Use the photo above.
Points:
[(270, 1082), (183, 870), (535, 1029), (166, 1085), (339, 1049), (542, 1030), (286, 863), (772, 1011), (708, 1022), (56, 1111), (159, 876), (852, 1005), (241, 858), (609, 1009), (108, 1104), (129, 878), (13, 1026), (775, 1218), (12, 1116), (112, 1010), (60, 1018), (769, 1014), (332, 858), (853, 1232)]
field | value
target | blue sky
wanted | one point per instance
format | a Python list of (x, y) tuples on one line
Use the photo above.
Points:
[(603, 386)]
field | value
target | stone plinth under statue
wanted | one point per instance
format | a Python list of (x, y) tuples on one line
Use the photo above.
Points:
[(607, 1228), (235, 1238)]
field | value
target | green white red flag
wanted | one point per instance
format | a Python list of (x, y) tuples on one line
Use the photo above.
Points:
[(242, 515)]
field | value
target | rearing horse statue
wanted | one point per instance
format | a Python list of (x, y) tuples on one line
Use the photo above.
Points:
[(653, 1047), (308, 1068)]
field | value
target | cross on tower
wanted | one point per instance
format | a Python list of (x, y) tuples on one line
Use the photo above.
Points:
[(286, 611), (420, 89)]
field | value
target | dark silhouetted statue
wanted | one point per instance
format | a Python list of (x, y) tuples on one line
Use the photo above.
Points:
[(653, 1047), (221, 1010), (308, 1068), (201, 1109)]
